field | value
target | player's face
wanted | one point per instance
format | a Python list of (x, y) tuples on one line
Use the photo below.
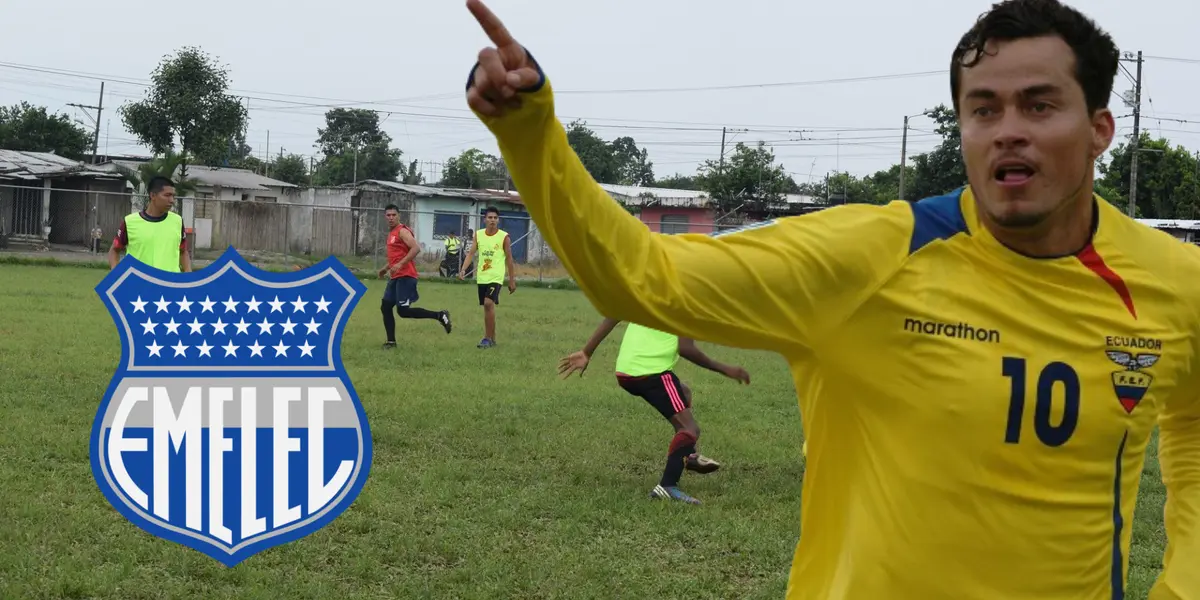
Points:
[(393, 217), (164, 199), (492, 220), (1028, 140)]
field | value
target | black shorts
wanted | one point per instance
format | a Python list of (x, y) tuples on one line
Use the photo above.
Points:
[(401, 291), (663, 391), (489, 290)]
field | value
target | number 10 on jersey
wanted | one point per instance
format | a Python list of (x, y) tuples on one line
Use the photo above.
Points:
[(1049, 378)]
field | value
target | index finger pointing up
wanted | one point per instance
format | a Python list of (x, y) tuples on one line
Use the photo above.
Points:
[(490, 23)]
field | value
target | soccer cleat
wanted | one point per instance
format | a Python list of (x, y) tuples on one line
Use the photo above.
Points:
[(486, 343), (444, 319), (701, 464), (389, 345), (671, 493)]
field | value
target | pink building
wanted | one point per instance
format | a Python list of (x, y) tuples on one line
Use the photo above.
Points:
[(673, 211), (668, 210)]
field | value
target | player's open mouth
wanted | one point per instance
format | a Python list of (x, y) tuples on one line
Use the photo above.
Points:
[(1013, 173)]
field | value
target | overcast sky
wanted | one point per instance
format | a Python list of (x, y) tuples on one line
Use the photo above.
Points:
[(410, 59)]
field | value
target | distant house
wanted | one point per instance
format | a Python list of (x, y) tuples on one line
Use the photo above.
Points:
[(1184, 231), (46, 198), (673, 211), (438, 211), (218, 190)]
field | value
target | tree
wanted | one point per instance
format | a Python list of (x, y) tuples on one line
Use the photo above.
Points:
[(617, 162), (679, 182), (1168, 179), (474, 169), (355, 148), (940, 170), (291, 168), (33, 129), (412, 175), (169, 165), (749, 179), (188, 101), (632, 164)]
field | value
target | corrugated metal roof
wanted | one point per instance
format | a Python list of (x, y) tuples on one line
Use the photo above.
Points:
[(633, 194), (227, 177), (426, 191), (1171, 224), (241, 179), (19, 164)]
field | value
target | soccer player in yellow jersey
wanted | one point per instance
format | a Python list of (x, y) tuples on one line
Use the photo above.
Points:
[(495, 262), (979, 373), (646, 369)]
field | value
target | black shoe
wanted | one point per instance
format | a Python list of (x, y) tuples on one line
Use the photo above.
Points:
[(389, 345), (444, 317)]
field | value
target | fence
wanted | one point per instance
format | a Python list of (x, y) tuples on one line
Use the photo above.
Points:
[(300, 231)]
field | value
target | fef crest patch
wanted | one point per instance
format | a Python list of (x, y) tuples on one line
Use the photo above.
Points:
[(1131, 383), (230, 425)]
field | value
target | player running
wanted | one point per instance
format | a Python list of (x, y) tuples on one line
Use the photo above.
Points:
[(493, 245), (986, 368), (646, 368), (401, 271)]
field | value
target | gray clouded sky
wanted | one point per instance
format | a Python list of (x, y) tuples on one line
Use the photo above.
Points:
[(412, 58)]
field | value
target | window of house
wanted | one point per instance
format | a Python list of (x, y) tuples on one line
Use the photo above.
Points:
[(673, 224), (444, 222), (264, 198)]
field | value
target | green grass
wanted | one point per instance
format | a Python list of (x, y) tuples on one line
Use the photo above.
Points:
[(491, 477)]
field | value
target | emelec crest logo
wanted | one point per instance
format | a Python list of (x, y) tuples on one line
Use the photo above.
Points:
[(230, 425)]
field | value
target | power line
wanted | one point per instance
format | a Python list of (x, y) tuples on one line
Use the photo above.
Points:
[(1173, 59), (709, 88)]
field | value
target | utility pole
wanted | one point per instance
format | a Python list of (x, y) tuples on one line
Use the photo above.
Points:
[(99, 108), (1134, 147), (903, 155), (722, 163)]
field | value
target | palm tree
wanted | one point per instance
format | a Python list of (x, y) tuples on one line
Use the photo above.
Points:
[(167, 165), (412, 175)]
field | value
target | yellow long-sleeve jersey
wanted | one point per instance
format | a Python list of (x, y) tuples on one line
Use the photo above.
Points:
[(976, 420)]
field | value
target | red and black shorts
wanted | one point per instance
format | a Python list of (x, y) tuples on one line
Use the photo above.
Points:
[(663, 391)]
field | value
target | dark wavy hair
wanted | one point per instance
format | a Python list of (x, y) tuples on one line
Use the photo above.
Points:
[(1096, 55)]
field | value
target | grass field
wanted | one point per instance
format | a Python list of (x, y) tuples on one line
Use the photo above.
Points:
[(491, 477)]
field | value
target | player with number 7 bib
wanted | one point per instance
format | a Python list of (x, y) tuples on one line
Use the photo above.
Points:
[(979, 373)]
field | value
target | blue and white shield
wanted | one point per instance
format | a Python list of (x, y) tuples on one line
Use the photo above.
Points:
[(230, 426)]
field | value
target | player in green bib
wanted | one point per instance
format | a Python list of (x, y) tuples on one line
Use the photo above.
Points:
[(155, 235), (494, 248), (646, 368)]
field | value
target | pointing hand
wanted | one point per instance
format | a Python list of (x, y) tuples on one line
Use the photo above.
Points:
[(503, 68)]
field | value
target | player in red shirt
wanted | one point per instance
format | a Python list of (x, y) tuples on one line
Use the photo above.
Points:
[(401, 292)]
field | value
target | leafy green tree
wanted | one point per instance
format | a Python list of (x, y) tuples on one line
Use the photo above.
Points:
[(679, 182), (940, 170), (189, 101), (617, 162), (355, 148), (168, 164), (1168, 179), (33, 129), (749, 179), (474, 169), (291, 168)]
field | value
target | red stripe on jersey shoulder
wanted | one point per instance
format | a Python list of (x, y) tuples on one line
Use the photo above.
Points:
[(1092, 260)]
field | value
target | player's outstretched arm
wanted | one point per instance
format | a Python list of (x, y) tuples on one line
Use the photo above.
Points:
[(578, 361), (777, 287), (693, 354)]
